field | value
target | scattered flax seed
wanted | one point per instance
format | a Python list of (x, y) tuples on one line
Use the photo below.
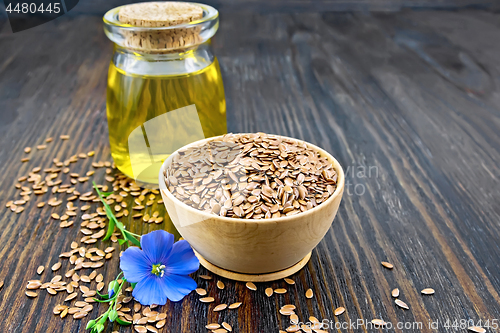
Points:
[(401, 304), (280, 291), (79, 315), (338, 311), (85, 278), (31, 294), (140, 329), (206, 277), (72, 311), (71, 297), (286, 312), (269, 292), (227, 326), (80, 304), (220, 307), (428, 291), (58, 308), (161, 323), (289, 281), (387, 265), (151, 329), (64, 137), (235, 305), (40, 270), (294, 319), (34, 285), (109, 249), (220, 285), (309, 293), (27, 150), (56, 266), (41, 147), (378, 322), (201, 291), (220, 330), (251, 286), (395, 293), (476, 329), (87, 308), (207, 299)]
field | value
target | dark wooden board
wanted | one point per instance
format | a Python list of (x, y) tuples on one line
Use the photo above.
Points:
[(412, 97), (280, 6)]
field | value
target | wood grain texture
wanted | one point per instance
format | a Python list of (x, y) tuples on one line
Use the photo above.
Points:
[(414, 95)]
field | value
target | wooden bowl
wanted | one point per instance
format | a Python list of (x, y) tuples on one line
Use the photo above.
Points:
[(266, 249)]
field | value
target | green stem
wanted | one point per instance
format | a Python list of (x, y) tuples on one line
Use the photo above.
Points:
[(113, 222), (136, 235)]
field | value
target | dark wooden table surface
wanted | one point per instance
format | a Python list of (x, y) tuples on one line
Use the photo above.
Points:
[(408, 102)]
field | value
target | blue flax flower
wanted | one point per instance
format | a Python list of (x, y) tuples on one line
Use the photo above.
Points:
[(160, 269)]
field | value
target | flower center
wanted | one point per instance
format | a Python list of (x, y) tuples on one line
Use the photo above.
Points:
[(158, 270)]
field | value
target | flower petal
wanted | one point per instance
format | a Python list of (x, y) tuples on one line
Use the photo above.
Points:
[(175, 287), (157, 245), (134, 264), (182, 260), (150, 291)]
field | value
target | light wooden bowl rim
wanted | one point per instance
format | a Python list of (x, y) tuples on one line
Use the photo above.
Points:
[(323, 153)]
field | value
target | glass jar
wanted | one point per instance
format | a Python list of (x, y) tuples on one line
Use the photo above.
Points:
[(164, 91)]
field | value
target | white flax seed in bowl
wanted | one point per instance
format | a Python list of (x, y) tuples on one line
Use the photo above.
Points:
[(251, 176)]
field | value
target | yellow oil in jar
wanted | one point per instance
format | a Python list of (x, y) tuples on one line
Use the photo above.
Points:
[(133, 100)]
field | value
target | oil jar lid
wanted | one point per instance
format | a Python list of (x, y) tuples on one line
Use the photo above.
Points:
[(161, 27)]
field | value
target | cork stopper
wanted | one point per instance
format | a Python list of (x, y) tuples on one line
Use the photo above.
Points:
[(161, 14)]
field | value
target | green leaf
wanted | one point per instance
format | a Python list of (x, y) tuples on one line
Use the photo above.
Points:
[(111, 228), (122, 322), (122, 241), (91, 324), (132, 239), (133, 285)]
